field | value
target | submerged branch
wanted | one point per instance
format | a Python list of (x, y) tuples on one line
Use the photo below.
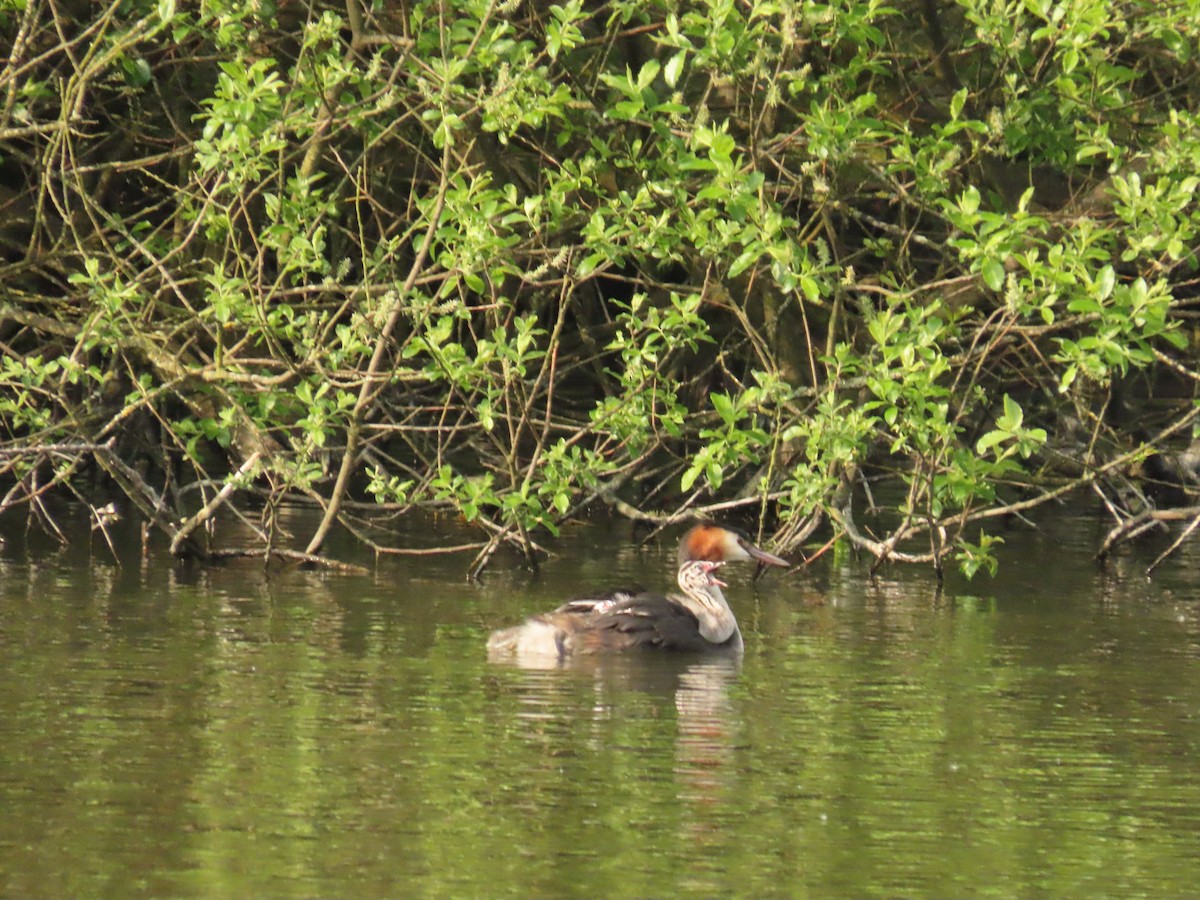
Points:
[(1192, 525), (286, 555), (206, 512)]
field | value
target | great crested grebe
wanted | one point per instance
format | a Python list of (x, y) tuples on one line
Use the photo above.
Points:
[(717, 544), (699, 619)]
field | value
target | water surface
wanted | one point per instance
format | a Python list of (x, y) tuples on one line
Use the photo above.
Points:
[(168, 730)]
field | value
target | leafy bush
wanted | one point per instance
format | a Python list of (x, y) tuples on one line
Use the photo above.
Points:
[(515, 260)]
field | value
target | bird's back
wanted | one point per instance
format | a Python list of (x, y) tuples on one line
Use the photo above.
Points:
[(619, 620), (650, 621)]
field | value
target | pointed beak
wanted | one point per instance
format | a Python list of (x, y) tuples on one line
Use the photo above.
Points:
[(762, 556)]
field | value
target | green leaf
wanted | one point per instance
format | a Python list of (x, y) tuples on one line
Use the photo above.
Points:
[(673, 68), (724, 407), (990, 440), (689, 478), (993, 274), (648, 73), (969, 201), (745, 260), (1013, 414), (1070, 60), (957, 102), (588, 265), (1176, 339), (809, 286), (715, 475), (626, 109), (722, 146)]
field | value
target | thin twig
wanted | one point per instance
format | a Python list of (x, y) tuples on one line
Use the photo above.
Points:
[(1175, 546)]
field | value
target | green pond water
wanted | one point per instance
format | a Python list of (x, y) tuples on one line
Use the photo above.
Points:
[(174, 731)]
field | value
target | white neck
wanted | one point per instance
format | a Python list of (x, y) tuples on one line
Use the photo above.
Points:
[(717, 624)]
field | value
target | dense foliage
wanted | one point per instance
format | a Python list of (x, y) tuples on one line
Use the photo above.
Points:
[(934, 257)]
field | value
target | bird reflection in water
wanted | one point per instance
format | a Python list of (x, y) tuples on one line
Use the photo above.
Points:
[(694, 687), (705, 743)]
